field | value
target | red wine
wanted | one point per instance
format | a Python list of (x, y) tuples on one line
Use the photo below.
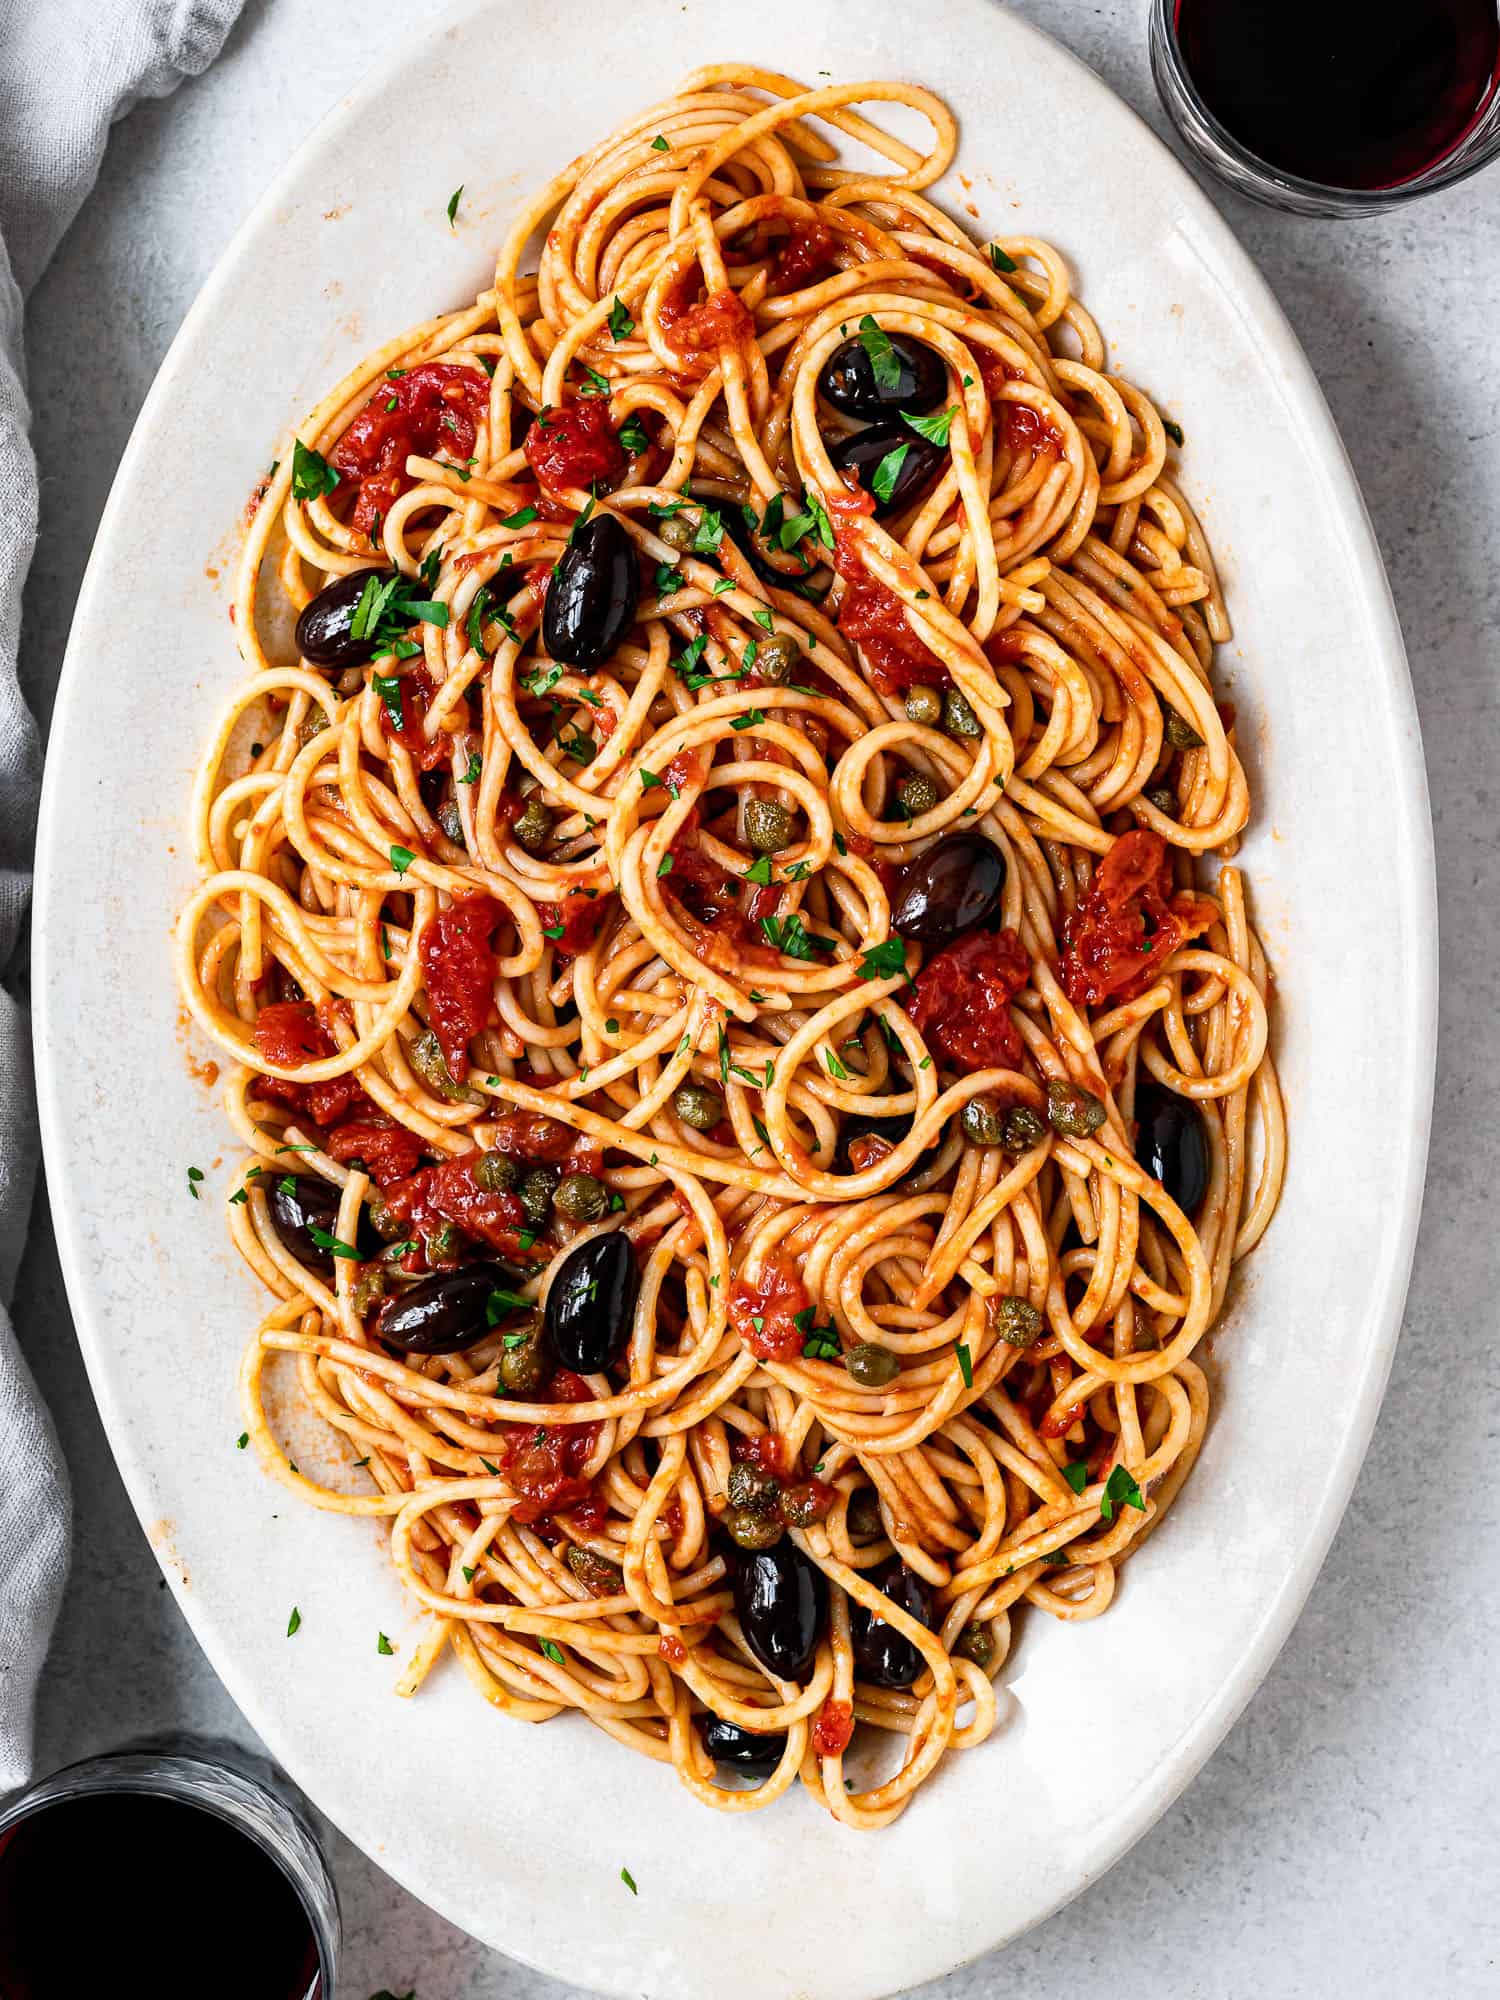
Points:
[(1350, 93), (123, 1892)]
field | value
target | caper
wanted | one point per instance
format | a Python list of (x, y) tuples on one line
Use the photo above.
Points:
[(917, 793), (959, 718), (751, 1530), (534, 828), (1072, 1109), (535, 1194), (925, 705), (385, 1221), (1023, 1129), (983, 1121), (753, 1489), (1018, 1322), (523, 1358), (369, 1289), (450, 819), (863, 1517), (426, 1057), (581, 1198), (698, 1106), (807, 1501), (441, 1242), (1181, 733), (598, 1577), (1164, 798), (872, 1365), (768, 825), (976, 1642), (313, 725), (776, 658), (495, 1173), (678, 531)]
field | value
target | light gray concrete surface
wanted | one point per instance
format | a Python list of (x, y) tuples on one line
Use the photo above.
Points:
[(1346, 1838)]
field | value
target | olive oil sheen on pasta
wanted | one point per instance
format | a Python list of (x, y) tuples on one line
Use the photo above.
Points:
[(1348, 93), (127, 1892)]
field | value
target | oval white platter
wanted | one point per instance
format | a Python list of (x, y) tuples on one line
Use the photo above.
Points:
[(519, 1834)]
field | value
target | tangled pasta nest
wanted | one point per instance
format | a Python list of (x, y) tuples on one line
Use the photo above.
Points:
[(479, 925)]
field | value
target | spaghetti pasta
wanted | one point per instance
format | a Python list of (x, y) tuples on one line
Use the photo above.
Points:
[(708, 931)]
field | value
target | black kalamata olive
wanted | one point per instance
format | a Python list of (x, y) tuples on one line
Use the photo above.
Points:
[(592, 597), (323, 634), (881, 1654), (920, 466), (444, 1313), (949, 889), (300, 1203), (739, 1749), (1171, 1144), (781, 1600), (850, 383), (590, 1304)]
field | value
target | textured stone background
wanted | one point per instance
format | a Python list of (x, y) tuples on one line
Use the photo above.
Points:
[(1345, 1840)]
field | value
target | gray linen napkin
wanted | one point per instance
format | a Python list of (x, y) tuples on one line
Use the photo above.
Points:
[(68, 69)]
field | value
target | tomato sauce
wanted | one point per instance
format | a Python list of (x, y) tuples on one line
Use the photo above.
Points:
[(290, 1033), (963, 997), (532, 1135), (415, 690), (699, 332), (458, 966), (1021, 427), (765, 1314), (577, 919), (833, 1728), (387, 1150), (766, 1451), (544, 1462), (449, 1193), (806, 255), (574, 444), (430, 411), (671, 1649), (1127, 922), (707, 900), (874, 618)]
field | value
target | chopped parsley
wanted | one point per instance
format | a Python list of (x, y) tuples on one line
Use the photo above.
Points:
[(383, 1645), (820, 515), (965, 1364), (597, 384), (632, 434), (664, 867), (791, 936), (750, 718), (554, 1653), (470, 777), (312, 475), (453, 201), (334, 1245), (709, 533), (1000, 261), (759, 871), (194, 1175), (293, 1623), (401, 859), (659, 145), (883, 478), (835, 1067), (242, 1440), (1120, 1488), (876, 342), (625, 1875), (934, 428), (621, 325), (522, 518), (884, 960), (1077, 1476), (388, 687)]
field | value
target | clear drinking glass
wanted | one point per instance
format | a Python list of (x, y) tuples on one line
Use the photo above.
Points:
[(243, 1790), (1248, 174)]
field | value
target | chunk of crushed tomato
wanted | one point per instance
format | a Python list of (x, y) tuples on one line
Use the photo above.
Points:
[(290, 1033), (387, 1151), (571, 926), (807, 252), (532, 1135), (458, 966), (765, 1314), (1021, 427), (963, 997), (1127, 922), (544, 1462), (700, 331), (574, 444), (833, 1728), (874, 618), (430, 411), (449, 1194), (411, 695)]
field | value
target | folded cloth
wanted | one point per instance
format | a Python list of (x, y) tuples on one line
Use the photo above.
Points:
[(67, 71)]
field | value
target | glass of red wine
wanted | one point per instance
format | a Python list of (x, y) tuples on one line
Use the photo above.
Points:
[(173, 1873), (1332, 107)]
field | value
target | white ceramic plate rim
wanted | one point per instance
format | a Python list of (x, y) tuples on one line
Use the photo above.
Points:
[(1391, 694)]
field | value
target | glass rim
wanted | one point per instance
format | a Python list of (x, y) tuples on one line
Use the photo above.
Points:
[(234, 1796), (1252, 174)]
